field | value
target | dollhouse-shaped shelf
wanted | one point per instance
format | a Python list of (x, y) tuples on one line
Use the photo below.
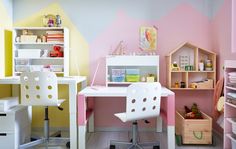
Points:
[(191, 68)]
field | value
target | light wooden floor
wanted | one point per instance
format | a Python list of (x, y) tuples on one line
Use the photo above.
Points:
[(100, 140)]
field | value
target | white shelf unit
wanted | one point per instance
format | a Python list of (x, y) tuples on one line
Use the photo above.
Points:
[(145, 64), (229, 107), (60, 65)]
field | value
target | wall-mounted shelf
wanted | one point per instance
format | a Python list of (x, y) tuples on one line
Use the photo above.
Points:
[(183, 66), (133, 68), (34, 41)]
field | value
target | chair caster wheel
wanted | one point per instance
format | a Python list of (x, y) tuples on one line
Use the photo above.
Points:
[(68, 144), (112, 147), (156, 147)]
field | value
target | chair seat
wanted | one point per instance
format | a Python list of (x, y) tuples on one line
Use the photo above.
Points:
[(121, 116), (60, 101)]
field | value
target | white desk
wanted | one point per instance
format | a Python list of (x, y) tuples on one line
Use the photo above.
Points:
[(72, 83), (167, 110)]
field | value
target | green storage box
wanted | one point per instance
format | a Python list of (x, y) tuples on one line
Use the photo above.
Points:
[(132, 78)]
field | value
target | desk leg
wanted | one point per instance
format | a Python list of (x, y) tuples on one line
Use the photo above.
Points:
[(73, 116), (171, 121), (82, 137), (82, 121), (159, 124), (15, 90)]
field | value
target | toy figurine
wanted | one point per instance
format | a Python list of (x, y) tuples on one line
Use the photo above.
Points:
[(58, 20), (193, 113), (56, 52), (50, 22)]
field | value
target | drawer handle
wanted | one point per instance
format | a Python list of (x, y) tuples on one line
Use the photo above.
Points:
[(3, 114), (3, 134)]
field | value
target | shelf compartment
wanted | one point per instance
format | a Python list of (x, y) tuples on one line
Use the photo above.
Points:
[(44, 58), (204, 55), (231, 88), (39, 43), (185, 55), (201, 80), (178, 77)]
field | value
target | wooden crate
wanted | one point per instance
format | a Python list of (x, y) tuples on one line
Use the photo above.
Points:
[(194, 131)]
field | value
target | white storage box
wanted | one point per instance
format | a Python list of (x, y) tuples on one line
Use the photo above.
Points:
[(29, 53), (56, 68), (36, 68), (22, 61), (28, 38), (22, 68), (7, 103)]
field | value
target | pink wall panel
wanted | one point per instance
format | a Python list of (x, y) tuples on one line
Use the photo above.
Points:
[(221, 35), (182, 24)]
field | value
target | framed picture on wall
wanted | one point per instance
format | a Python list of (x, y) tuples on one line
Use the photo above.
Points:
[(148, 38)]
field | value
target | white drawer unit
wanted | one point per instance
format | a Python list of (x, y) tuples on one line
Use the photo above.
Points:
[(15, 127), (7, 103)]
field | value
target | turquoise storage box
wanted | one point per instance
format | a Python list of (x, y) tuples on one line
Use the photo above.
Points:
[(132, 71), (118, 75)]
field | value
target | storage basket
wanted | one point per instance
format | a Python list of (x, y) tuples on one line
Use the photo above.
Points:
[(194, 131)]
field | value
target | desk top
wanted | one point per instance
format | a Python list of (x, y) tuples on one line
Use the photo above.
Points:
[(103, 91), (61, 80)]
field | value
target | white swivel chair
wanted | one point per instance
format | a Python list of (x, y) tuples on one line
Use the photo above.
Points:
[(142, 102), (40, 89)]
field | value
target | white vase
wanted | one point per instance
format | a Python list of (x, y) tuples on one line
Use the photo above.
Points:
[(201, 66)]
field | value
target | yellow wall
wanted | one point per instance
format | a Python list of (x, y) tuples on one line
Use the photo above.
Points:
[(78, 62), (6, 23)]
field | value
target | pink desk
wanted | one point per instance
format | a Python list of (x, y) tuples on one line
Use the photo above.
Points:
[(85, 111)]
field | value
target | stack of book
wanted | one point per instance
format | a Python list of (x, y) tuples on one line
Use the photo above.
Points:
[(55, 36)]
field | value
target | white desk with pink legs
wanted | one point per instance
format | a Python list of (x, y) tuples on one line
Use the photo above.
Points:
[(85, 110)]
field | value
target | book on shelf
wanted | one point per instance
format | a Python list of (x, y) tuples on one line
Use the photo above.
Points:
[(55, 35), (54, 32)]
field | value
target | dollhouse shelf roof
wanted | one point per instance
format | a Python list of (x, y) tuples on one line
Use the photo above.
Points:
[(190, 45)]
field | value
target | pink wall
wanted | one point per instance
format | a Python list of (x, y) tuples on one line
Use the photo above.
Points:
[(221, 35), (183, 23)]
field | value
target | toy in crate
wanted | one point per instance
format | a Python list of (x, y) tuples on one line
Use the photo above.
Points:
[(132, 75), (118, 75)]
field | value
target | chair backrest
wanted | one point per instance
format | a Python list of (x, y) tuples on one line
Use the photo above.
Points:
[(143, 100), (39, 88)]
